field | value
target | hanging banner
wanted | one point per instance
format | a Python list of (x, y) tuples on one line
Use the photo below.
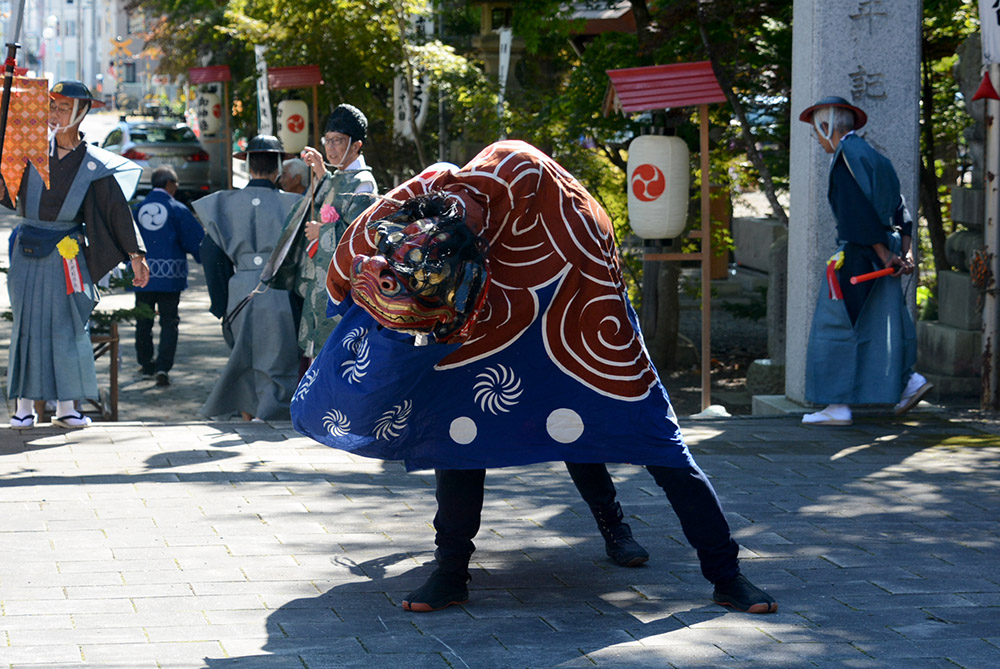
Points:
[(27, 138), (412, 110), (265, 125), (506, 39), (989, 24), (503, 68), (407, 111)]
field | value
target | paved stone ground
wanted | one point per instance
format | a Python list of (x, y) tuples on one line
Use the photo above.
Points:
[(166, 541), (243, 545)]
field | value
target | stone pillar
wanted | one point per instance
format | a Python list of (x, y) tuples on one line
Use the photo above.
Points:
[(867, 51)]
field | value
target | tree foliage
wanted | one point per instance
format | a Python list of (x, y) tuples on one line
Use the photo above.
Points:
[(361, 46)]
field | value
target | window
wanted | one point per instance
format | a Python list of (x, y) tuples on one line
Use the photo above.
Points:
[(130, 73), (500, 17), (136, 23), (69, 28)]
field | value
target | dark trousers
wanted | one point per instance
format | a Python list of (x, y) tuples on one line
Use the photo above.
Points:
[(166, 303), (460, 506), (857, 260)]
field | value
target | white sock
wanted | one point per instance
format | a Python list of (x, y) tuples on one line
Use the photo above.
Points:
[(24, 407), (65, 408)]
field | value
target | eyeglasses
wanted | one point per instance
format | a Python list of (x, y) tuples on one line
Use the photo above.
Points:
[(61, 108), (334, 140)]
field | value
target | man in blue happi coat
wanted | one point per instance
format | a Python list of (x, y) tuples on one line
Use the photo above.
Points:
[(862, 346), (170, 232)]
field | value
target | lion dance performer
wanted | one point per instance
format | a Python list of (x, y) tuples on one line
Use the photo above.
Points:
[(507, 270)]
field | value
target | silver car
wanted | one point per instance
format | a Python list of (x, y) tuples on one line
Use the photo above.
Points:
[(151, 144)]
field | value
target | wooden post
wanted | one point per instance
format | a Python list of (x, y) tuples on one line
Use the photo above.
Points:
[(316, 118), (114, 371), (706, 265), (227, 148), (990, 398)]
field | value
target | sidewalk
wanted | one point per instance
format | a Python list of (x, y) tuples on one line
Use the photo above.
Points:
[(167, 541)]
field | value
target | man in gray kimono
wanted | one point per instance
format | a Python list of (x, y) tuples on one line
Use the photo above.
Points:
[(241, 228)]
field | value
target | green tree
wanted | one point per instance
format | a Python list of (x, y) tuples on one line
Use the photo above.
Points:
[(946, 24)]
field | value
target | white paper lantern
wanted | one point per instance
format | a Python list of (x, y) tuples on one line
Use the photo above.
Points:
[(659, 176), (293, 125), (208, 108)]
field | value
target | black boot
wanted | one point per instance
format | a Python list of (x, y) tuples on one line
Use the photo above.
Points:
[(441, 590), (618, 541), (739, 593)]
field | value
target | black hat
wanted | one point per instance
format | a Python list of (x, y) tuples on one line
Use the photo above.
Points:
[(860, 118), (74, 90), (349, 120), (261, 144)]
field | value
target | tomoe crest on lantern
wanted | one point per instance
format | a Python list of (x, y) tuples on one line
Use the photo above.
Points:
[(659, 176), (293, 125)]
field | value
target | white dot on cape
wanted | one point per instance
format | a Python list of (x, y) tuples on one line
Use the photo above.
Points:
[(463, 430), (564, 425)]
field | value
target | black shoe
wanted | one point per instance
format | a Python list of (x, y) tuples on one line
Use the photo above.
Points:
[(742, 595), (147, 371), (441, 590), (624, 549), (162, 379), (618, 541)]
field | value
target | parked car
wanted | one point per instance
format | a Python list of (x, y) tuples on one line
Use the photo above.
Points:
[(151, 144)]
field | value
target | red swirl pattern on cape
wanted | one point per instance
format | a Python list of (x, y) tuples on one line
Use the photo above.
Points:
[(542, 227)]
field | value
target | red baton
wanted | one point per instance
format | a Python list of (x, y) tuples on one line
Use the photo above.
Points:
[(872, 275)]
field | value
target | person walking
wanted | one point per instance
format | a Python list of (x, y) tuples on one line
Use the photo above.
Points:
[(170, 232), (862, 345), (70, 234), (241, 228)]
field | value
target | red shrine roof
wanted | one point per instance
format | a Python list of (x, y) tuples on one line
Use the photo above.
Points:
[(655, 87), (296, 76)]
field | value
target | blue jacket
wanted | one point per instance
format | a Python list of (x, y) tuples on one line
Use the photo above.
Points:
[(170, 231)]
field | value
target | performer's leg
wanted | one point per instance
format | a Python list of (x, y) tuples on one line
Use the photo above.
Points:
[(460, 506), (697, 507), (144, 335), (169, 322), (597, 489)]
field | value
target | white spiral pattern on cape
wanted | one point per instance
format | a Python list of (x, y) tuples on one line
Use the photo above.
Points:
[(356, 369), (497, 389), (391, 423), (336, 423), (305, 384)]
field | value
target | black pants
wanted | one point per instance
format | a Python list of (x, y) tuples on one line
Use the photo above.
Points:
[(857, 260), (460, 507), (169, 322)]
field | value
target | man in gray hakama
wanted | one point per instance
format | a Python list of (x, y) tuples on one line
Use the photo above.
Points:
[(241, 228), (70, 234)]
